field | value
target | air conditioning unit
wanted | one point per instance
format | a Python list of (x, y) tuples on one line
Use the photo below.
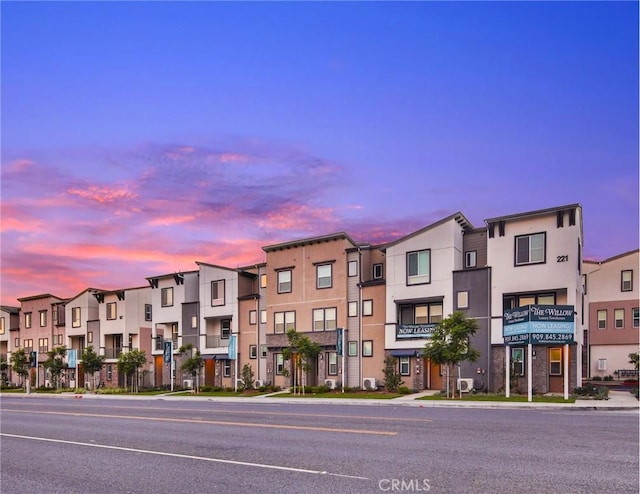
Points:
[(369, 383), (465, 385), (239, 383), (258, 383), (187, 383), (330, 383), (47, 383)]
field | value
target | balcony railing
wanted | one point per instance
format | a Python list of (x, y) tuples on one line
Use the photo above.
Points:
[(112, 352), (215, 341)]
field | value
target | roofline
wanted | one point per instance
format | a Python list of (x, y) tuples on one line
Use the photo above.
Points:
[(537, 212), (613, 258), (170, 275), (460, 218), (108, 292), (36, 297), (218, 266), (9, 308), (310, 240)]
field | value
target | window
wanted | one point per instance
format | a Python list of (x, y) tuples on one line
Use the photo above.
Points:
[(147, 312), (60, 339), (332, 366), (263, 281), (418, 267), (167, 297), (43, 318), (263, 316), (109, 372), (27, 320), (284, 281), (517, 361), (89, 336), (225, 328), (28, 345), (353, 349), (2, 328), (279, 358), (75, 317), (421, 313), (353, 309), (367, 307), (555, 361), (619, 318), (284, 321), (194, 322), (217, 293), (111, 310), (16, 342), (253, 317), (530, 249), (463, 300), (377, 271), (602, 319), (324, 319), (253, 351), (43, 345), (323, 276), (263, 351), (514, 301), (627, 280), (636, 317), (367, 348), (54, 314), (226, 368), (352, 268), (405, 369), (470, 259), (174, 335)]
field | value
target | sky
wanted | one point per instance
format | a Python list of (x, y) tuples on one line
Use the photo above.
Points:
[(140, 137)]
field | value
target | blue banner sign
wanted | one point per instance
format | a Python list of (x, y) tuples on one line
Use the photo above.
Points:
[(339, 341), (233, 347), (168, 351), (539, 325), (72, 358), (407, 331)]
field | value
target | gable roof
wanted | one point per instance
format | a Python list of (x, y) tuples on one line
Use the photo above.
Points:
[(458, 217)]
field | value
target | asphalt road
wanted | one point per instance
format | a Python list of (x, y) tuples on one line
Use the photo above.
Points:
[(53, 445)]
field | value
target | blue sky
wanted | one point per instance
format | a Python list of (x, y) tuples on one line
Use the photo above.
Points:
[(138, 138)]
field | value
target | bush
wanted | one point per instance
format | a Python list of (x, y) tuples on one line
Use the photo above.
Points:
[(595, 392), (596, 378), (403, 390), (608, 378)]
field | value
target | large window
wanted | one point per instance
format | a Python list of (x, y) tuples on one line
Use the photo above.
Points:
[(421, 313), (323, 278), (602, 319), (284, 321), (166, 296), (43, 318), (27, 320), (627, 280), (555, 361), (418, 267), (514, 301), (530, 249), (111, 310), (284, 281), (324, 319), (405, 368), (217, 293), (75, 317), (619, 318)]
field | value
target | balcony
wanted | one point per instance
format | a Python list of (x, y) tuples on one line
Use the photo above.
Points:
[(112, 353), (216, 341)]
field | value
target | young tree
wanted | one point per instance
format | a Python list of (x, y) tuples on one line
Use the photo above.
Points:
[(192, 364), (92, 362), (392, 378), (634, 358), (449, 344), (4, 367), (20, 365), (55, 364), (301, 351), (129, 363), (247, 377)]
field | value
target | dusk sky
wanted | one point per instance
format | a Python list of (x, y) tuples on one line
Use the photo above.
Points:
[(139, 138)]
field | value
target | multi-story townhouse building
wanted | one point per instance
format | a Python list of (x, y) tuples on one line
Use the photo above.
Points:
[(82, 328), (175, 318), (307, 290), (37, 331), (420, 293), (9, 325), (125, 324), (614, 314), (536, 259)]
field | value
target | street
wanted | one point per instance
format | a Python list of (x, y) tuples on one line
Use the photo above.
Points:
[(107, 445)]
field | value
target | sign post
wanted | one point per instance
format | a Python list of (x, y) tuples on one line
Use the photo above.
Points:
[(340, 352), (168, 358)]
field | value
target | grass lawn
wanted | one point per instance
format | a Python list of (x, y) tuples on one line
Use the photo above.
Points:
[(360, 395), (512, 398), (239, 394)]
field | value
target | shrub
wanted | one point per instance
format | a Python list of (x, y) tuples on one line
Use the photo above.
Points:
[(403, 390), (596, 378), (592, 391), (608, 378)]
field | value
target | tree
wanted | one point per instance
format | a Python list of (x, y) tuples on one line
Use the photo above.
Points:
[(301, 351), (192, 364), (20, 364), (55, 364), (92, 362), (634, 358), (129, 363), (449, 343), (247, 377), (392, 378), (4, 366)]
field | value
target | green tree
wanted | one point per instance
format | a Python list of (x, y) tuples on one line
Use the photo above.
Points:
[(129, 364), (55, 364), (449, 343), (20, 365), (92, 362), (192, 364), (247, 377), (301, 351), (392, 378), (634, 358)]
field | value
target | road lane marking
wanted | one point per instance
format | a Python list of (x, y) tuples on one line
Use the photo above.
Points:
[(189, 457), (210, 422)]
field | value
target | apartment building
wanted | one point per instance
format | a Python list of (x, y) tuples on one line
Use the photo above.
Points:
[(9, 325), (125, 324), (536, 260), (82, 328), (611, 288)]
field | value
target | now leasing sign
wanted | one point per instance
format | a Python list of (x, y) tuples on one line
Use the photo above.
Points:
[(407, 331), (539, 325)]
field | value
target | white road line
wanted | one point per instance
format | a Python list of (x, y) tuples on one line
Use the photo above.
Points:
[(190, 457)]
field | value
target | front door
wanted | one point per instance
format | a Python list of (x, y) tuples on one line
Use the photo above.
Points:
[(556, 369), (435, 375)]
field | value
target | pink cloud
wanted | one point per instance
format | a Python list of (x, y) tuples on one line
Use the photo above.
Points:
[(14, 218), (103, 194), (18, 166), (171, 220)]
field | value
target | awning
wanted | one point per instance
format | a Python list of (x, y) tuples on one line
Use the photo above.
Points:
[(405, 353), (224, 356)]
